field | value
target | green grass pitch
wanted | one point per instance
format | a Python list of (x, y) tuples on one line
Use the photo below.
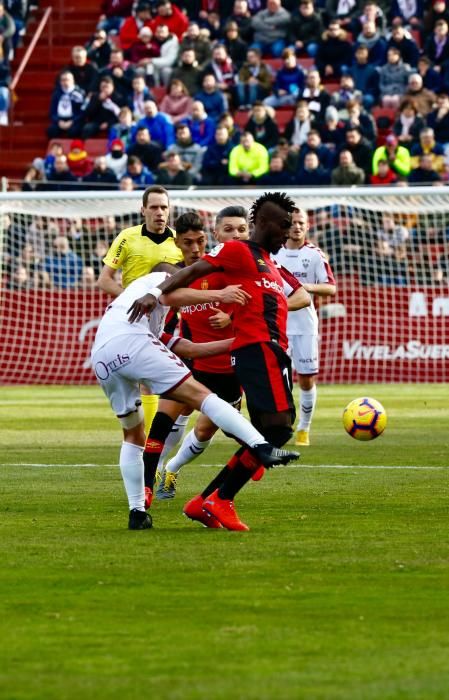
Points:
[(339, 592)]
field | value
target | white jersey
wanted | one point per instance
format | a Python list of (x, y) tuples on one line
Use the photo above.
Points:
[(309, 265), (115, 320)]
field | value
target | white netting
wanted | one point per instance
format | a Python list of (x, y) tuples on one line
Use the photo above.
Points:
[(389, 250)]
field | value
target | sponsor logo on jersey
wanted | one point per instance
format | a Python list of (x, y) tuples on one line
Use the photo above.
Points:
[(204, 284), (306, 262), (214, 252), (270, 284), (103, 370), (260, 261), (194, 308)]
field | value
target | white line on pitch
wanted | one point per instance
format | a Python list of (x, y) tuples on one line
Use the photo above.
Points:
[(291, 466)]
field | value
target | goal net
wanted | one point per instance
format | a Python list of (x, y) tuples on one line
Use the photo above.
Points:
[(389, 250)]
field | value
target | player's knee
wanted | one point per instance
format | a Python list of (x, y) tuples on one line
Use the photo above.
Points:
[(133, 419), (277, 435)]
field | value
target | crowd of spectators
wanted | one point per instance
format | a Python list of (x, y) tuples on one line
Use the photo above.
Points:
[(303, 92), (13, 18)]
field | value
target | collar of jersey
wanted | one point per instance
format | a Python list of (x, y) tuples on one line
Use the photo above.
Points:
[(157, 237)]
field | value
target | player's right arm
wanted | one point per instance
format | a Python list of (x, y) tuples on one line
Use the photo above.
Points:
[(107, 282), (183, 278)]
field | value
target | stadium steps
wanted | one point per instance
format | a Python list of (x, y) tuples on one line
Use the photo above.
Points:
[(26, 138)]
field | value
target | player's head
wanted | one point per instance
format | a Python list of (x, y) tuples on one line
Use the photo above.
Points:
[(190, 237), (155, 208), (299, 227), (231, 223), (271, 216)]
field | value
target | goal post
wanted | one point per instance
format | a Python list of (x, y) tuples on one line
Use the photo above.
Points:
[(389, 249)]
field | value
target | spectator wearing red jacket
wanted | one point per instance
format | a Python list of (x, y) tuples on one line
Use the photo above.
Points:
[(170, 15), (385, 175), (129, 31), (78, 160)]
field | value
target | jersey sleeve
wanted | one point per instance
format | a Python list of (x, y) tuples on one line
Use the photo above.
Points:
[(291, 284), (226, 256), (117, 253), (323, 270), (169, 340)]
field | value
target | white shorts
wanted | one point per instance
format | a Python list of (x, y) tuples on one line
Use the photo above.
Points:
[(126, 361), (304, 353)]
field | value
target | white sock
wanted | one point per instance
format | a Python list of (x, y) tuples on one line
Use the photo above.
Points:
[(173, 439), (189, 450), (131, 466), (307, 401), (230, 420)]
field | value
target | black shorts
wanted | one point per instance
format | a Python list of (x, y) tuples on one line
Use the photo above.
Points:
[(226, 386), (265, 372)]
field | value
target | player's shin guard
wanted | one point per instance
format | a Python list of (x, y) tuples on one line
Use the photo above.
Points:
[(149, 406), (131, 467), (160, 429), (229, 420)]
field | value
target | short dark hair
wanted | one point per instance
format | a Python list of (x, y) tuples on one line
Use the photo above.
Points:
[(281, 200), (153, 189), (190, 221), (232, 210)]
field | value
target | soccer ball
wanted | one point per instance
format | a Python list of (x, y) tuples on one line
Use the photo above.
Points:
[(364, 419)]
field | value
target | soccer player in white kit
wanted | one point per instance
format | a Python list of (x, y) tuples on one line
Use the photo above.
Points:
[(125, 355), (309, 265)]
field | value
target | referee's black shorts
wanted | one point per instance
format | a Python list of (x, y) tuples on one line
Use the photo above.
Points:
[(226, 386), (264, 371)]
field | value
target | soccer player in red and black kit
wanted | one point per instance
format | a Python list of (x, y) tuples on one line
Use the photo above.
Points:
[(259, 350)]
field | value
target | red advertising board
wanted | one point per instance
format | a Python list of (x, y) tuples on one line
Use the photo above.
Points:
[(368, 334)]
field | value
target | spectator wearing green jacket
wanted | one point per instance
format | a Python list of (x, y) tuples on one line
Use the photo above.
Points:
[(247, 161), (398, 157)]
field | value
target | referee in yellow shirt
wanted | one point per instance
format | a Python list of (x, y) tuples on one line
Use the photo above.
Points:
[(136, 250)]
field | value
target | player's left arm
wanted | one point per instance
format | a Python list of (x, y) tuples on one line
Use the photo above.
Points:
[(325, 282), (321, 289), (232, 294)]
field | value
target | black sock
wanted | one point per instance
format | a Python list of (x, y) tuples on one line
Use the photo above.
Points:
[(216, 482), (159, 431), (234, 481)]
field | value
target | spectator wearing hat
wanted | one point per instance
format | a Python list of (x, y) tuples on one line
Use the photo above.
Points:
[(347, 173), (289, 82), (66, 108), (144, 48), (397, 157), (116, 158), (78, 160), (169, 14), (149, 152), (254, 80), (306, 28), (427, 145), (213, 100), (172, 172), (129, 31), (385, 175)]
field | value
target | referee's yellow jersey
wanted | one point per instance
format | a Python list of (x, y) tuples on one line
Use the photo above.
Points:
[(136, 251)]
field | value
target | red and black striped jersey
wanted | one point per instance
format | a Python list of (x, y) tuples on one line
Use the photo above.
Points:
[(264, 317)]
